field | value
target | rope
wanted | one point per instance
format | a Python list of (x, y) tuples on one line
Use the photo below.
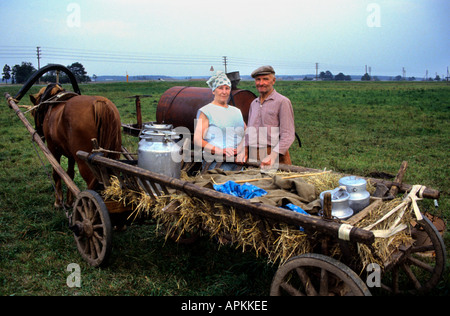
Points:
[(102, 150), (410, 199)]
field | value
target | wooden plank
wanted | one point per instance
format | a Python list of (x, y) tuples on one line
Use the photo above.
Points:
[(115, 207), (363, 213), (398, 179)]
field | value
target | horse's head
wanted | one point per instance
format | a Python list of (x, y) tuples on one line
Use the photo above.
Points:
[(39, 99)]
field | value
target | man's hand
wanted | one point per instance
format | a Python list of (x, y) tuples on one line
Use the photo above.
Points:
[(269, 160)]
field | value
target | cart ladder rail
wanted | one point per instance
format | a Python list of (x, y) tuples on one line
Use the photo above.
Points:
[(134, 176)]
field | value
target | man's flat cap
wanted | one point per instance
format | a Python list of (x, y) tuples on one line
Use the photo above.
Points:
[(264, 70)]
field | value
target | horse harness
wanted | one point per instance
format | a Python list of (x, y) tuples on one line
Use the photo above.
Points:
[(47, 103)]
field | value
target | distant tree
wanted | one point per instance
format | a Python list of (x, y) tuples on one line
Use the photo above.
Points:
[(6, 73), (339, 77), (437, 78), (50, 76), (80, 73), (398, 78), (326, 75), (23, 72), (342, 77), (76, 68), (366, 77)]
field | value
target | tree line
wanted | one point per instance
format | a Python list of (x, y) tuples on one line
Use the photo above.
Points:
[(21, 73), (328, 76)]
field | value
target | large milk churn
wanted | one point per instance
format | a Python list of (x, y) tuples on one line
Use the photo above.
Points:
[(158, 152)]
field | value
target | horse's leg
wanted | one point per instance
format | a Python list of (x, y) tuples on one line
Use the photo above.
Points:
[(87, 175), (71, 173)]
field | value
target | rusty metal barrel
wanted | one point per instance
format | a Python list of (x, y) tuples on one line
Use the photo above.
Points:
[(179, 105)]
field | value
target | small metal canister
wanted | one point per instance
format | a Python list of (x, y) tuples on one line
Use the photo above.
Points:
[(357, 188), (339, 203)]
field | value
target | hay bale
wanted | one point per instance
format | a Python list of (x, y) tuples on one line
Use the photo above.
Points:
[(278, 241)]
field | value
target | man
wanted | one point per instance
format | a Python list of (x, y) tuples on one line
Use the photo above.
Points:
[(271, 129)]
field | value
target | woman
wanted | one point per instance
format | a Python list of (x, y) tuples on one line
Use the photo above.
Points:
[(220, 127)]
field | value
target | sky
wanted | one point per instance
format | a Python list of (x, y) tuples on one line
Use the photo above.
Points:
[(188, 37)]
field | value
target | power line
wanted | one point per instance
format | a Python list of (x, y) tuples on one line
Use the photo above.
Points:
[(54, 54)]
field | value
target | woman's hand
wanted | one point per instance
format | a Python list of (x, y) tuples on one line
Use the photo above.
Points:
[(229, 152), (241, 156)]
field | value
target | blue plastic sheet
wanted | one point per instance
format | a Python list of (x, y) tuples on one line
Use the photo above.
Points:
[(246, 190), (297, 209)]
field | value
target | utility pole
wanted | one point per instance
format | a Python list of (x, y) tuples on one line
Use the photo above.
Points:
[(225, 63), (38, 49), (39, 57), (317, 71)]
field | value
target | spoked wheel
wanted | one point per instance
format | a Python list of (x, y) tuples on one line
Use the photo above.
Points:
[(92, 227), (317, 275), (422, 266)]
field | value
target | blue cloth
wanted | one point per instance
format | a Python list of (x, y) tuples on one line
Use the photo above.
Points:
[(296, 208), (246, 190)]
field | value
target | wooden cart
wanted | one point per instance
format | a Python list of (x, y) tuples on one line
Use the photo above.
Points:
[(310, 274), (316, 273)]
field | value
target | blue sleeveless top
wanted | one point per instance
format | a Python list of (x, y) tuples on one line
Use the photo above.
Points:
[(226, 125)]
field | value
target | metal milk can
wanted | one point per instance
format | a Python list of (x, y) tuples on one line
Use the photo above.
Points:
[(158, 152), (155, 127)]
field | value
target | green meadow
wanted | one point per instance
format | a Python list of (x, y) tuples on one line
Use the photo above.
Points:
[(360, 128)]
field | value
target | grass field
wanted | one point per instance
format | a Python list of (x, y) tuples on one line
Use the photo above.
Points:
[(352, 127)]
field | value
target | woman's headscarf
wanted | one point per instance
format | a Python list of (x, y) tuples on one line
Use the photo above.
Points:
[(219, 79)]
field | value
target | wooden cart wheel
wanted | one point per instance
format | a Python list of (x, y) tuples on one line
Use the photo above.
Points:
[(92, 228), (317, 275), (423, 265)]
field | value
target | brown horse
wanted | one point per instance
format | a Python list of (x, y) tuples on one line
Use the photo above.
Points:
[(69, 122)]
